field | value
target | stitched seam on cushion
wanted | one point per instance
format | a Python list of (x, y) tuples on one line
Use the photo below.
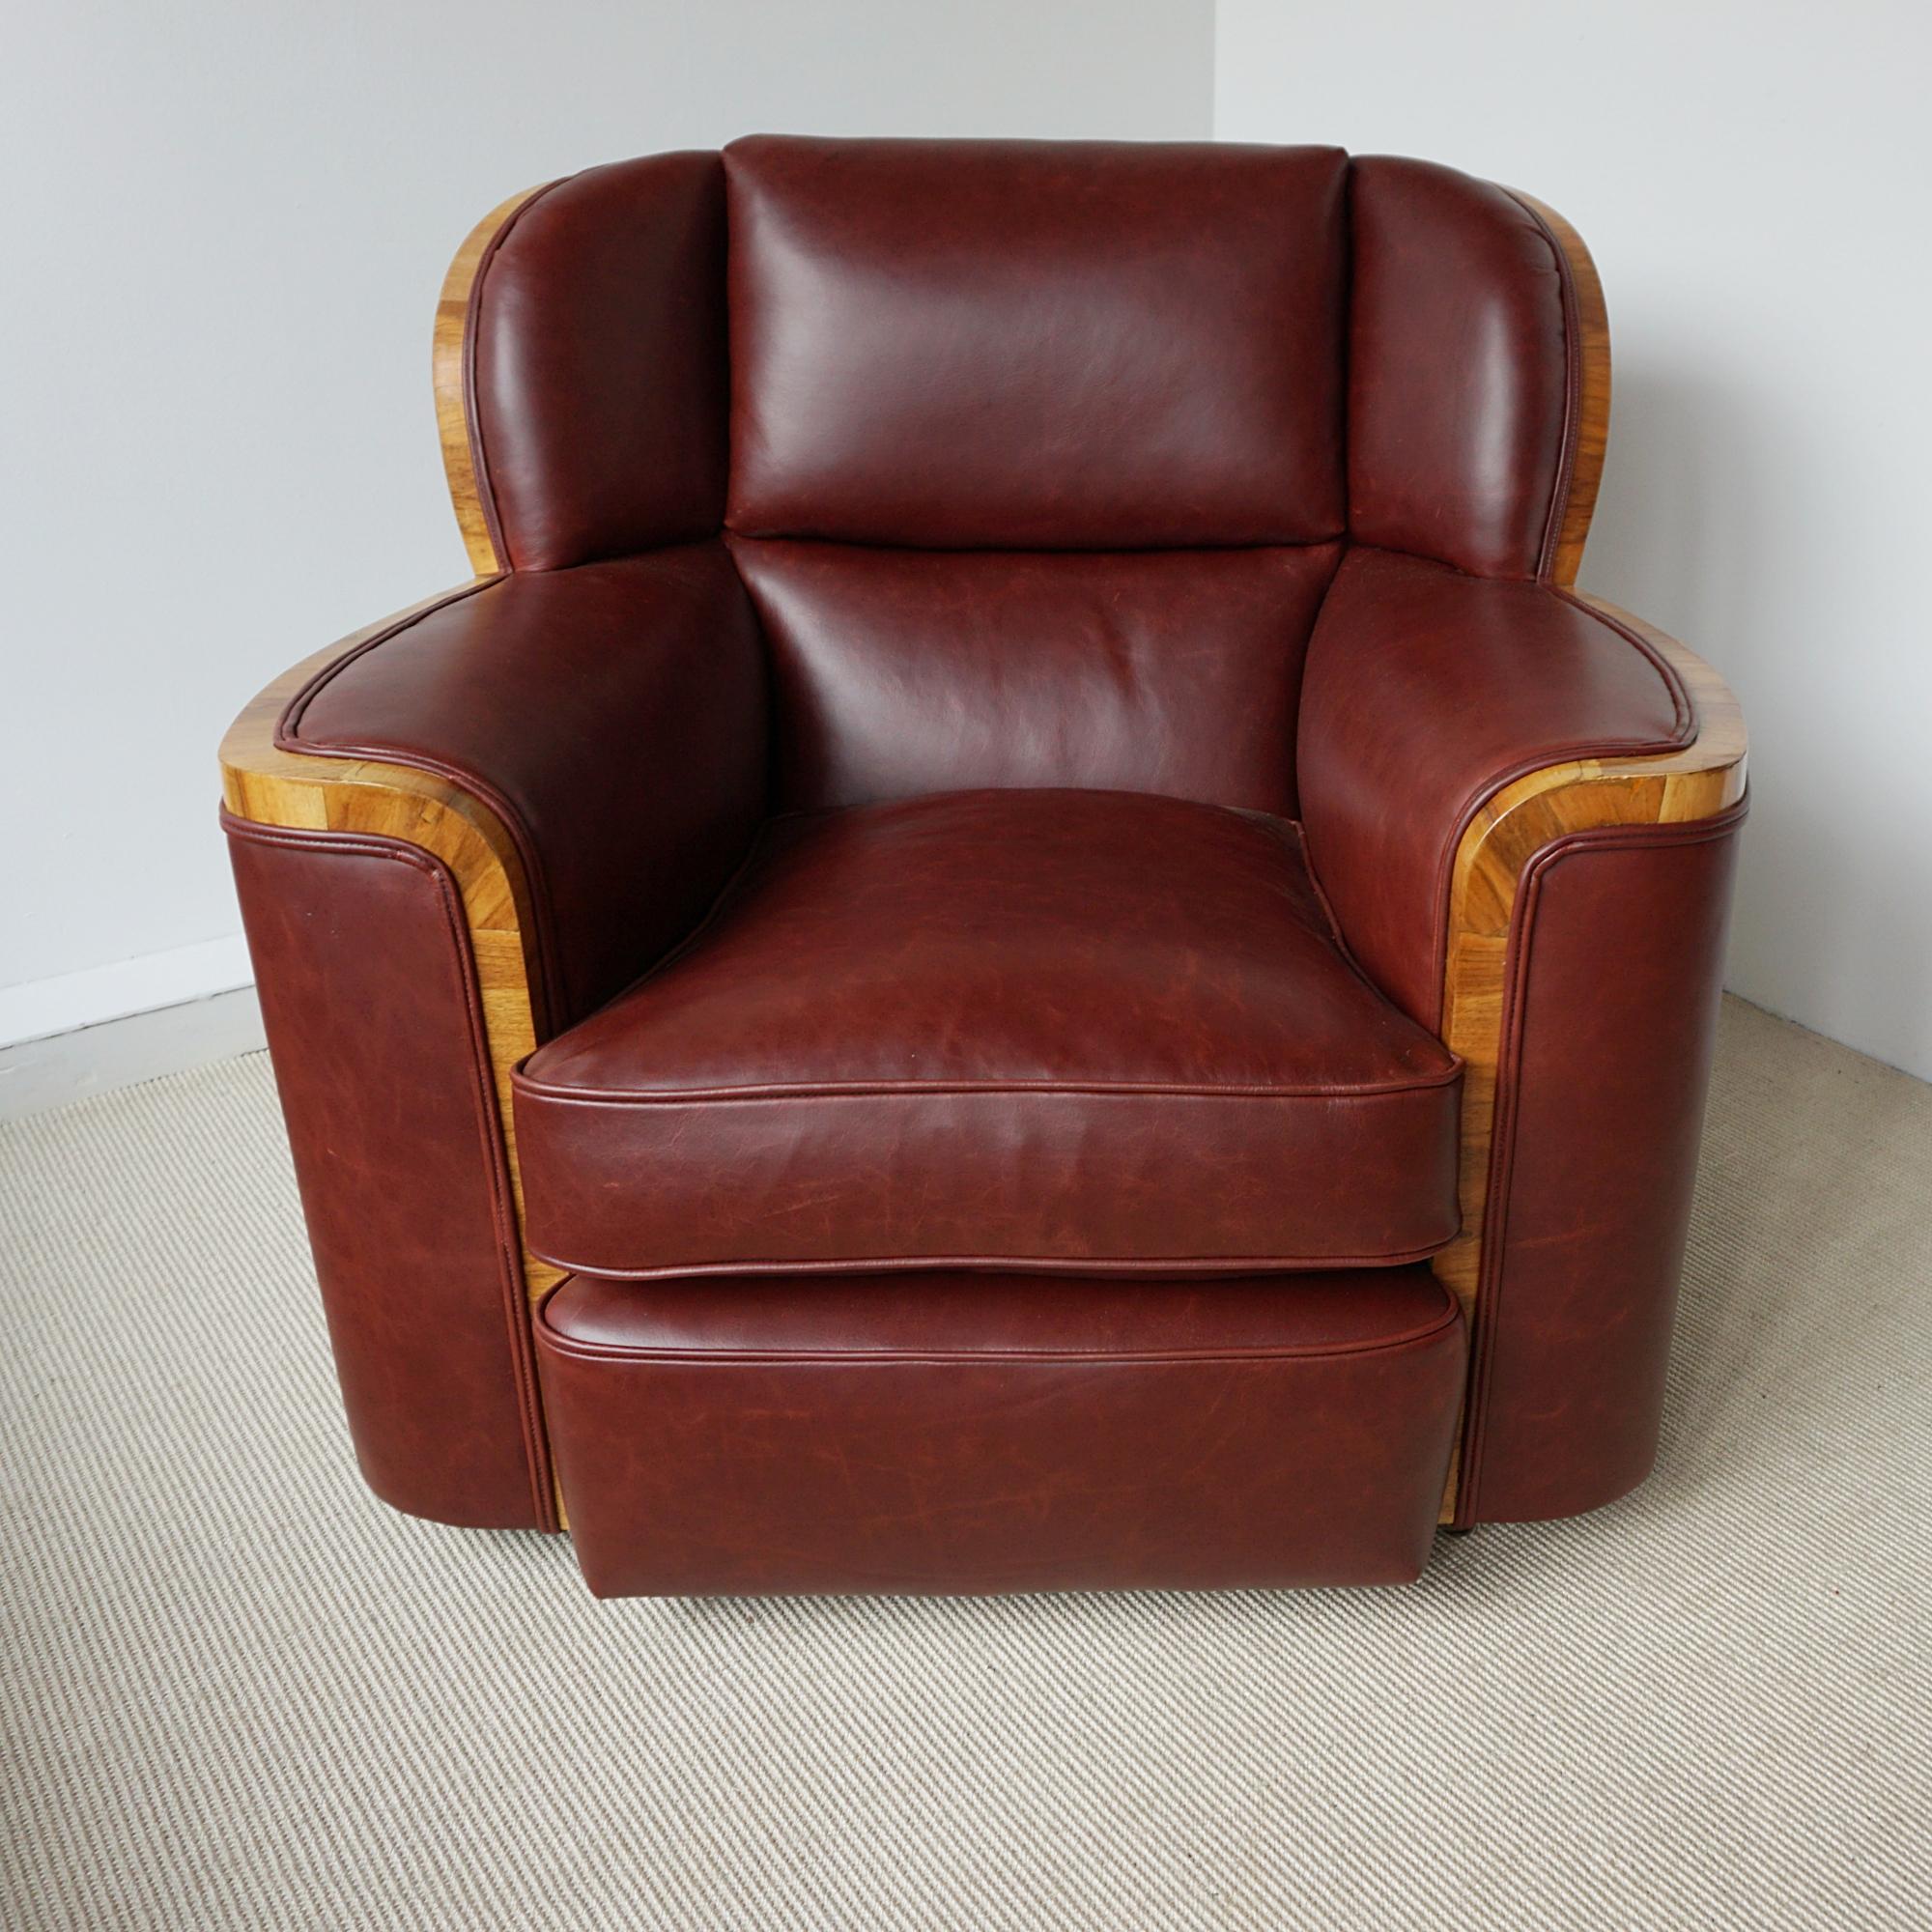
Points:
[(479, 461), (1450, 1316), (727, 1359), (488, 1122), (1565, 477), (1339, 940), (597, 1096), (288, 726), (1103, 1264), (1502, 1142), (1683, 710)]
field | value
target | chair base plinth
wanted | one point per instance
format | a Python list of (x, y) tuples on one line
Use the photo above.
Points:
[(987, 1433)]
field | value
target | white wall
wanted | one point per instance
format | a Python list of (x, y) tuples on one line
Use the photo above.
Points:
[(1751, 180), (226, 224)]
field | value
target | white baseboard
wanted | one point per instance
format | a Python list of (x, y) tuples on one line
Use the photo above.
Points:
[(70, 1001), (113, 1026)]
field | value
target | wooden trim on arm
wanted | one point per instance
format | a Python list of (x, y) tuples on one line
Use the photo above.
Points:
[(261, 782), (451, 366), (1703, 779)]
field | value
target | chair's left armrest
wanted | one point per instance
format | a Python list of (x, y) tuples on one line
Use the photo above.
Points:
[(453, 834), (587, 747)]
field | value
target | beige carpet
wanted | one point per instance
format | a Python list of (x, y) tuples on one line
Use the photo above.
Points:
[(239, 1692)]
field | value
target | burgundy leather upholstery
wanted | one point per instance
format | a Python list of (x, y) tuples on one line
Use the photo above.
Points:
[(1426, 693), (1009, 1029), (600, 372), (901, 671), (369, 1000), (1014, 344), (1617, 965), (614, 716), (942, 573), (1001, 1432), (1462, 402)]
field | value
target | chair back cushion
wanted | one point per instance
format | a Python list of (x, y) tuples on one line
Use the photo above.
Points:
[(1036, 457), (902, 672), (1037, 345)]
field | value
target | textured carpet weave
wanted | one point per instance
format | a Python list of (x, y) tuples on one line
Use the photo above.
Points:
[(239, 1692)]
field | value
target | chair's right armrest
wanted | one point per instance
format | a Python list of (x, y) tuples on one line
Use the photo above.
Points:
[(1451, 724), (1524, 806)]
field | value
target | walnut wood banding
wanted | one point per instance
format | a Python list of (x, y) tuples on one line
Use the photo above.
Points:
[(450, 364)]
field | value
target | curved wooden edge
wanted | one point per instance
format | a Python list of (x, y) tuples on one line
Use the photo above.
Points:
[(450, 367), (1591, 399), (1699, 781), (269, 785)]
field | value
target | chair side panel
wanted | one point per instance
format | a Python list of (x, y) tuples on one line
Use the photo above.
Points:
[(370, 1002), (1616, 968)]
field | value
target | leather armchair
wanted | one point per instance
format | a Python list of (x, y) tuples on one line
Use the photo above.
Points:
[(1020, 936)]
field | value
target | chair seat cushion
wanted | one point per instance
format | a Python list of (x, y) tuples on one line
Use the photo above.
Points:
[(1075, 1029)]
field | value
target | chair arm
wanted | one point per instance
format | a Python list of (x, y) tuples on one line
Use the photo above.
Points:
[(1455, 733), (579, 757), (1451, 726), (586, 748)]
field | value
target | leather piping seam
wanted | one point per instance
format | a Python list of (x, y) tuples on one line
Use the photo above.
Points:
[(547, 1000), (489, 1125), (1684, 734), (733, 539), (1502, 1144), (723, 1358), (479, 462), (900, 1090), (1103, 1264), (1565, 478), (1337, 938)]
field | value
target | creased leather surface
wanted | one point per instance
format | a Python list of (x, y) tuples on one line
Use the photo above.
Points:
[(1074, 1028), (614, 716), (1458, 370), (975, 1433), (600, 376), (1424, 692), (902, 672), (369, 1001), (1090, 426), (1023, 344), (1616, 968)]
